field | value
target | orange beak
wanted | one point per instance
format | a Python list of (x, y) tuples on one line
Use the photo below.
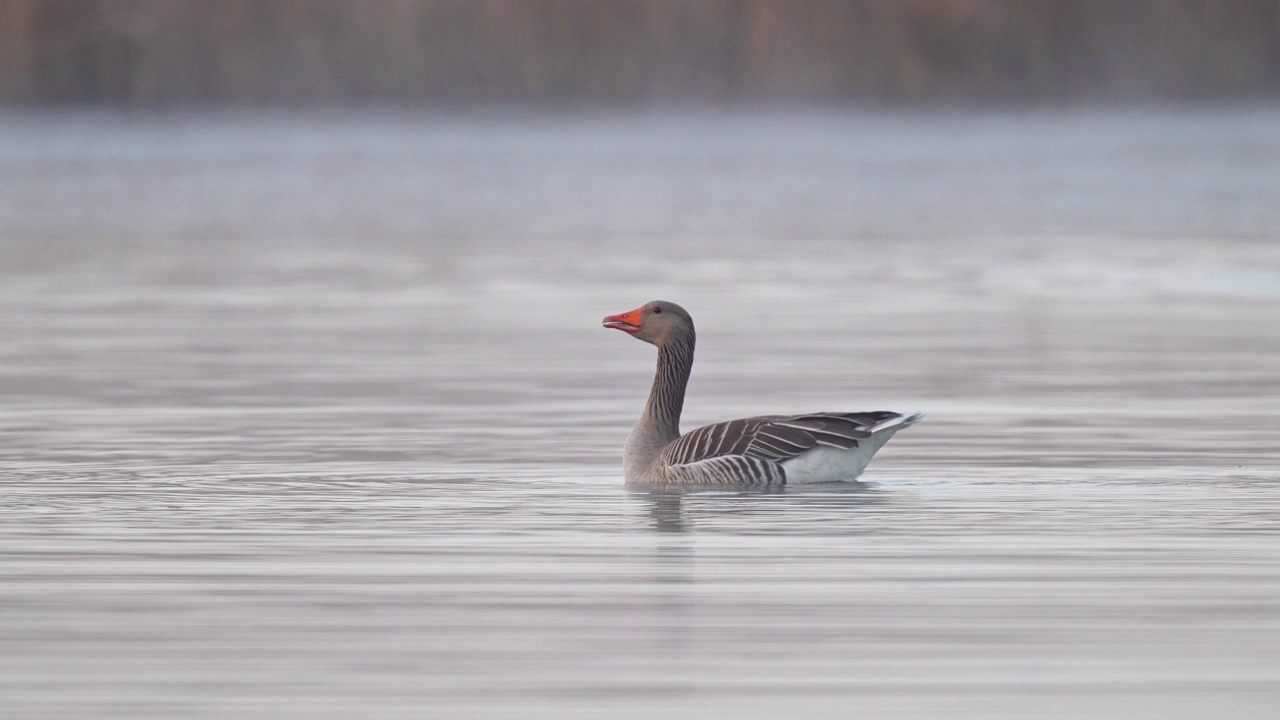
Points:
[(627, 322)]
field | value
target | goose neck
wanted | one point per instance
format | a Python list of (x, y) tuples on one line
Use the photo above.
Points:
[(666, 398)]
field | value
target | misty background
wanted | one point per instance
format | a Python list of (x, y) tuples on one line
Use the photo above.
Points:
[(165, 52)]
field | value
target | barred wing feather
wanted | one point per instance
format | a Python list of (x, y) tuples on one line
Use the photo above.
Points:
[(756, 446), (730, 470)]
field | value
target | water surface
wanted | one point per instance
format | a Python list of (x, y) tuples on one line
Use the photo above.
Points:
[(312, 416)]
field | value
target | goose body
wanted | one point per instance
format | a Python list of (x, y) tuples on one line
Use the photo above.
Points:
[(766, 450)]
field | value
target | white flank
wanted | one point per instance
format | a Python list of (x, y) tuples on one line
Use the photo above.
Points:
[(828, 464)]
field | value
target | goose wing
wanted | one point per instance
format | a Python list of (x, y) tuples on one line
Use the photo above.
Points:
[(774, 439)]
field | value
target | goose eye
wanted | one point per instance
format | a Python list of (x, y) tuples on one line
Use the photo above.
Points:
[(657, 310)]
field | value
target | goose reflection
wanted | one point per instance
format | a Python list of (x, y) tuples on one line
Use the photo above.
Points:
[(806, 509)]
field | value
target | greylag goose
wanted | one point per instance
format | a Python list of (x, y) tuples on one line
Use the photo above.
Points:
[(767, 450)]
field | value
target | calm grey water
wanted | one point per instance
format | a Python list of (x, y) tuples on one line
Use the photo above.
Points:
[(310, 415)]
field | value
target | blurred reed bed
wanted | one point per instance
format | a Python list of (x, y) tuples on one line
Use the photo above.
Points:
[(157, 52)]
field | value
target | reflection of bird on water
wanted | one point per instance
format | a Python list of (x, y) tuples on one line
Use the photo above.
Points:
[(776, 508)]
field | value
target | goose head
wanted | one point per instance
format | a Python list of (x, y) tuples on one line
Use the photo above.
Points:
[(658, 322)]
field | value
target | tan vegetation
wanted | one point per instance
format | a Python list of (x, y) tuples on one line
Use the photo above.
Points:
[(147, 52)]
